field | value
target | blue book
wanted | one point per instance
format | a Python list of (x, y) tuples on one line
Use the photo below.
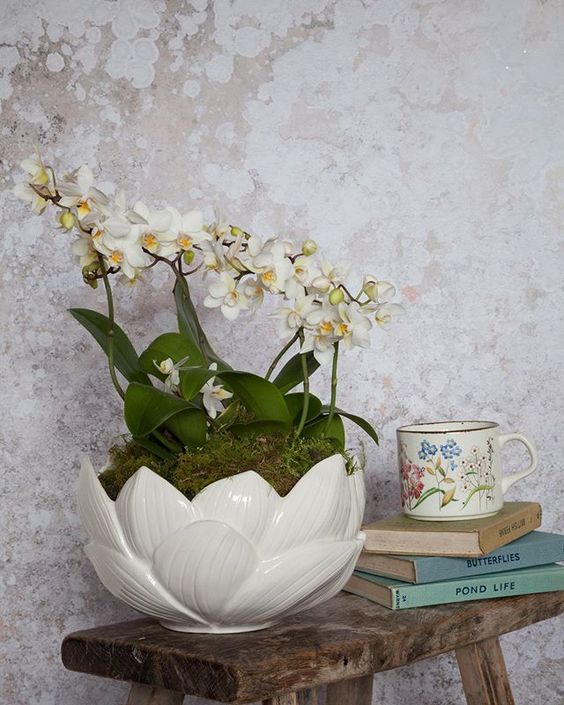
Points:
[(398, 595), (536, 548)]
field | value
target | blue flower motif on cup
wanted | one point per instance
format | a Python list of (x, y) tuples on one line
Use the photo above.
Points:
[(450, 449), (427, 450)]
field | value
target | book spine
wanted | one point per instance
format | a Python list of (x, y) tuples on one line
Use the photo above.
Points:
[(511, 528), (481, 588), (512, 556)]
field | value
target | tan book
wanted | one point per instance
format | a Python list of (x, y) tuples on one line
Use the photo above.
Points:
[(470, 537)]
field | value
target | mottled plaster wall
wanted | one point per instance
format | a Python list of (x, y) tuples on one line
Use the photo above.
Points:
[(423, 141)]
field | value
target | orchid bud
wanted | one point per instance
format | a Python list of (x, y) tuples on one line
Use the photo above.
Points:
[(188, 256), (322, 284), (66, 219), (336, 297), (309, 247)]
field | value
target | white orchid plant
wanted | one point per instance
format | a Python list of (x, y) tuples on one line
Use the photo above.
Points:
[(194, 392)]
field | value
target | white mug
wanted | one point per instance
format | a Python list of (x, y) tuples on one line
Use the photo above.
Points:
[(452, 469)]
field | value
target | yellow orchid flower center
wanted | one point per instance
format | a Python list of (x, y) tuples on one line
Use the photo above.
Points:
[(83, 208), (342, 329), (185, 242), (97, 233), (150, 242), (326, 327), (269, 277), (116, 258), (232, 298)]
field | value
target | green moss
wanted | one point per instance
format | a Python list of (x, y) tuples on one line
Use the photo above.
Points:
[(280, 459)]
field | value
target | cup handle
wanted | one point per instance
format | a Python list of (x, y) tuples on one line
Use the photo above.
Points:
[(508, 480)]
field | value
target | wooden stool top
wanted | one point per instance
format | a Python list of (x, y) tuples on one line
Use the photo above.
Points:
[(345, 637)]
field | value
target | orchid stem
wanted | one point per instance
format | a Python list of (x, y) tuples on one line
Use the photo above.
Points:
[(280, 355), (303, 358), (110, 333), (202, 340), (333, 401)]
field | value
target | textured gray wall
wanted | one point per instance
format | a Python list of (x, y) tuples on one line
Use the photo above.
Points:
[(423, 141)]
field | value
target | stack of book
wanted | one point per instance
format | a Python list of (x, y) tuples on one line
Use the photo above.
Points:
[(412, 563)]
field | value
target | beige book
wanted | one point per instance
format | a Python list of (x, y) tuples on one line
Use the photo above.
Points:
[(401, 534)]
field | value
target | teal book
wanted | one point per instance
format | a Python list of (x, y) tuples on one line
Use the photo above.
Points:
[(398, 595), (536, 548)]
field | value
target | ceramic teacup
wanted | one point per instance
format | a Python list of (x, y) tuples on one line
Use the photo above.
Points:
[(452, 469)]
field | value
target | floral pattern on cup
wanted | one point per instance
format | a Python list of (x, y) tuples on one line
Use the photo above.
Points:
[(457, 479)]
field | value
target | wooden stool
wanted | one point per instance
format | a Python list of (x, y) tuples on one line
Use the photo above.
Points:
[(341, 644)]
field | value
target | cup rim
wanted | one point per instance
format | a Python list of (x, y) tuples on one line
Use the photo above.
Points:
[(448, 427)]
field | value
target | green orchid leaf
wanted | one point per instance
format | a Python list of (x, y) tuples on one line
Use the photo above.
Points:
[(190, 327), (291, 374), (169, 345), (153, 447), (147, 408), (359, 421), (192, 379), (228, 416), (189, 427), (125, 357), (318, 427), (260, 397), (295, 404), (258, 428)]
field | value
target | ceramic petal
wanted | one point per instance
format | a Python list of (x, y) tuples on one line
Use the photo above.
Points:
[(318, 506), (97, 510), (334, 585), (149, 509), (357, 491), (130, 579), (279, 583), (203, 564), (246, 502)]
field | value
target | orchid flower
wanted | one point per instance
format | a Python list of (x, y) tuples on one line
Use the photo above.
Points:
[(37, 176), (331, 276), (78, 191), (213, 394), (223, 293), (353, 326), (320, 344), (171, 370), (378, 291), (294, 317), (386, 312), (188, 229), (271, 264), (304, 271)]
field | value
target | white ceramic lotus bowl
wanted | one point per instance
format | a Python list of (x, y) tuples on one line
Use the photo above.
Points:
[(238, 557)]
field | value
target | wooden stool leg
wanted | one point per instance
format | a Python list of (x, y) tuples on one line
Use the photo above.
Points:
[(484, 676), (301, 697), (356, 691), (148, 695)]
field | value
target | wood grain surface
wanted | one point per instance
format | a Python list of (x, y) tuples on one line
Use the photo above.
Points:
[(346, 637), (484, 676)]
